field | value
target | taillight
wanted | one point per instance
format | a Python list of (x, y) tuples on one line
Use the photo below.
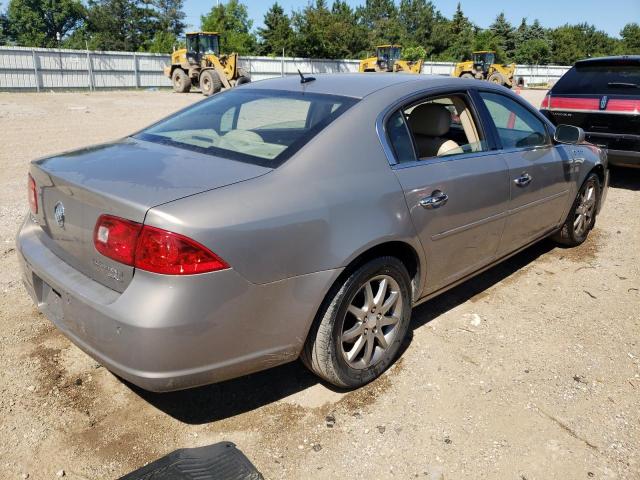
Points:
[(153, 249), (33, 194), (546, 102), (116, 238)]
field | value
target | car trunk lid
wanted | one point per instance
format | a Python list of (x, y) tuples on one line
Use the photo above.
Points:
[(124, 179)]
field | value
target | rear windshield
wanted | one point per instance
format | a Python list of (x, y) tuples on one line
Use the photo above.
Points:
[(600, 79), (264, 127)]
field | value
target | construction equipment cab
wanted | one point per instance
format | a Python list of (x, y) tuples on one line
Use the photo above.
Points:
[(201, 65), (388, 59), (483, 66)]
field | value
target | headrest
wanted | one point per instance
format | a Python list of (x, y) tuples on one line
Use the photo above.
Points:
[(432, 119)]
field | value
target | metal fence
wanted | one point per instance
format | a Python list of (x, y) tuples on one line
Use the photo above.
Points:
[(23, 68)]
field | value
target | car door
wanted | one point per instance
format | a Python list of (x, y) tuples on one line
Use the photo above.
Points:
[(458, 199), (539, 172)]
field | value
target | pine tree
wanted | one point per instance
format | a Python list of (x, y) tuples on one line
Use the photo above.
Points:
[(630, 44), (277, 34), (504, 33)]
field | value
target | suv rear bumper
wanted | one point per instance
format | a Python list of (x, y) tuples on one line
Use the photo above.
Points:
[(173, 332), (623, 150)]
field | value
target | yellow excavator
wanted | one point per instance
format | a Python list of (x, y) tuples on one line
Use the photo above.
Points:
[(483, 66), (201, 65), (388, 59)]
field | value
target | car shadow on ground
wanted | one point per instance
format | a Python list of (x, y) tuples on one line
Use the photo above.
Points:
[(233, 397), (627, 178)]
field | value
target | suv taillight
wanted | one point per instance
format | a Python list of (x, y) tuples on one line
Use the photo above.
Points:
[(33, 194), (546, 102), (153, 249)]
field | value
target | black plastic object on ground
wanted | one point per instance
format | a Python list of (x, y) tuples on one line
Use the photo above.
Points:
[(220, 461)]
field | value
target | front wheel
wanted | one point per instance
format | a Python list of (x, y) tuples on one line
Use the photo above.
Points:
[(497, 78), (210, 82), (582, 216), (361, 325), (181, 81)]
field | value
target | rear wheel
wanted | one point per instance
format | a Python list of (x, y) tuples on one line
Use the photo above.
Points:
[(361, 325), (181, 81), (582, 216), (242, 77), (467, 75), (497, 78), (210, 82)]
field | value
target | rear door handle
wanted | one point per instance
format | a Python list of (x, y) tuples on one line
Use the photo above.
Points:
[(435, 200), (523, 180)]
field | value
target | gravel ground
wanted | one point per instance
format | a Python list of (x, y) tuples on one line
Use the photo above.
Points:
[(529, 371)]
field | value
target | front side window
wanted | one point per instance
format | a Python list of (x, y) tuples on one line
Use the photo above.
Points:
[(517, 127), (258, 126)]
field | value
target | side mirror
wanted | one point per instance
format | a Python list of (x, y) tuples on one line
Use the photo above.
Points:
[(569, 134)]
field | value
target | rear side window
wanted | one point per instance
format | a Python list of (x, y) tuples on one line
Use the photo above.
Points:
[(400, 138), (600, 79), (517, 127), (258, 126)]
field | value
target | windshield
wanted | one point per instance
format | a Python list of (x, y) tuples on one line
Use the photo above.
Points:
[(258, 126), (600, 79)]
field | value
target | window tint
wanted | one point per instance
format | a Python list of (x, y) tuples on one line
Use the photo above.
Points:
[(400, 138), (517, 127), (259, 126), (444, 126), (292, 113), (600, 78)]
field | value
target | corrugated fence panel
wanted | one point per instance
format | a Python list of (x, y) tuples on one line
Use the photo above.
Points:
[(41, 68)]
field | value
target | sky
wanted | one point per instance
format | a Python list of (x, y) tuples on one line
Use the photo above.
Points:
[(607, 15)]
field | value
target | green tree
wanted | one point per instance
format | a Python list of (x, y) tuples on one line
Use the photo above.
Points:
[(534, 51), (42, 23), (380, 19), (4, 29), (169, 16), (123, 25), (277, 34), (630, 44), (233, 23), (462, 33), (414, 53), (416, 18), (504, 35), (163, 42)]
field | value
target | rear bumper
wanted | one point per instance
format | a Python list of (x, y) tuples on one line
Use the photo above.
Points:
[(622, 149), (166, 332)]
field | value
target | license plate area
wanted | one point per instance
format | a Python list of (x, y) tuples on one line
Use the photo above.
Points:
[(51, 303)]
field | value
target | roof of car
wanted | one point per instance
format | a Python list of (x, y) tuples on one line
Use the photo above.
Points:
[(610, 60), (356, 85)]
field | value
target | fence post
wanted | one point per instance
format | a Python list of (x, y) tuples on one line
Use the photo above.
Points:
[(89, 76), (282, 64), (135, 69), (35, 69)]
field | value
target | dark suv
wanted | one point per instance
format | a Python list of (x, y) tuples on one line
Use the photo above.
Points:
[(602, 96)]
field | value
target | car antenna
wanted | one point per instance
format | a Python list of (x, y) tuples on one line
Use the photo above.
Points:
[(304, 79)]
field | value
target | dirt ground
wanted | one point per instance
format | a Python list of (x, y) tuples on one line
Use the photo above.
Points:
[(529, 371)]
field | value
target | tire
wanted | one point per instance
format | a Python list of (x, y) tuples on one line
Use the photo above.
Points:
[(181, 81), (327, 348), (242, 77), (467, 75), (497, 78), (573, 232), (210, 82)]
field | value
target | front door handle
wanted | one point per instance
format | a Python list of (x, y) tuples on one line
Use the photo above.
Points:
[(435, 200), (523, 180)]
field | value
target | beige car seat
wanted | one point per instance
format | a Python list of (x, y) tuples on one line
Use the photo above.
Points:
[(430, 122)]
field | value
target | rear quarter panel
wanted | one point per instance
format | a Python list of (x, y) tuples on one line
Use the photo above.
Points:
[(331, 201)]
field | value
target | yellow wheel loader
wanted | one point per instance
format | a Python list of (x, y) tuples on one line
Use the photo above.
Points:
[(483, 66), (201, 65), (388, 59)]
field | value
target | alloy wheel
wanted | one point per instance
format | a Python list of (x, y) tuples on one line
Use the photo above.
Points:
[(585, 210), (370, 323)]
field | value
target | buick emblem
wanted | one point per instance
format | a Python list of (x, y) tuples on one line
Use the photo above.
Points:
[(603, 102), (58, 214)]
